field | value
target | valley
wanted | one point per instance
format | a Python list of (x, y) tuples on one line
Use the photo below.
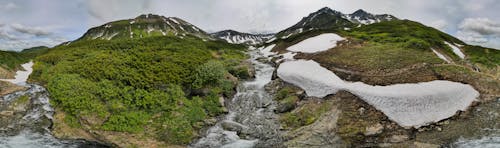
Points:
[(330, 80)]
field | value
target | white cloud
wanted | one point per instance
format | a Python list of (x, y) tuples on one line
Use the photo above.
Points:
[(471, 37), (439, 24), (8, 6)]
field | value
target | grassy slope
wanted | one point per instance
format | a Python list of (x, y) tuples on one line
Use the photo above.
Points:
[(395, 52), (135, 85)]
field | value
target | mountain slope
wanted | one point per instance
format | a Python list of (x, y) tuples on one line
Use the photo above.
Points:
[(326, 18), (146, 25), (379, 52), (236, 37)]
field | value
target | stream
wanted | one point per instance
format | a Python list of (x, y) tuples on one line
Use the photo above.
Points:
[(26, 122), (251, 121)]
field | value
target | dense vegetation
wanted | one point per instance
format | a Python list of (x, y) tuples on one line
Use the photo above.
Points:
[(11, 60), (166, 83)]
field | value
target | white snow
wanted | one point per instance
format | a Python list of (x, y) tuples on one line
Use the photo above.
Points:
[(287, 57), (456, 50), (112, 36), (316, 44), (271, 40), (286, 36), (441, 56), (195, 28), (409, 105), (266, 51), (173, 20), (21, 76)]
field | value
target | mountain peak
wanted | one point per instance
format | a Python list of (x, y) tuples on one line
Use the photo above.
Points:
[(145, 25), (326, 10), (360, 12)]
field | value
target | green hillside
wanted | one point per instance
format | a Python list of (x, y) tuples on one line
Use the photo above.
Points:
[(159, 87)]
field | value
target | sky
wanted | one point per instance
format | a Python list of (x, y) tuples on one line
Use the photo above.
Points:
[(29, 23)]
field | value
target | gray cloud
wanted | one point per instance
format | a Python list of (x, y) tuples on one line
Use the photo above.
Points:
[(116, 9), (36, 31), (482, 26), (6, 36)]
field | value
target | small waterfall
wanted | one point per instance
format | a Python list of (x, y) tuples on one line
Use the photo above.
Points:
[(251, 121)]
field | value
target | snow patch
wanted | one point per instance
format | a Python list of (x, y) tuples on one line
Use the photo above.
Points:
[(271, 40), (318, 43), (409, 105), (266, 51), (173, 20), (456, 50), (21, 75), (112, 35), (441, 56)]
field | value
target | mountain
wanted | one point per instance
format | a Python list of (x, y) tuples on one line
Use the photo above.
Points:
[(362, 17), (326, 18), (145, 25), (236, 37)]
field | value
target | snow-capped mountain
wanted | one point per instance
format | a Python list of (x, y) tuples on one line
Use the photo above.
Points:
[(236, 37), (326, 18), (145, 25), (362, 17)]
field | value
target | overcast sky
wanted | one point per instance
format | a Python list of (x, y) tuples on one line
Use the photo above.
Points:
[(28, 23)]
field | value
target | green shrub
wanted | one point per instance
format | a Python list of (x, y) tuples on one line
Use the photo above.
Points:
[(133, 121), (417, 44), (209, 74)]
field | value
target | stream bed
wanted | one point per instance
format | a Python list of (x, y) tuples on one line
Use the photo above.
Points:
[(251, 121)]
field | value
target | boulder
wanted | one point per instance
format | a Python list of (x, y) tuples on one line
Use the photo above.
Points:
[(233, 126), (374, 129), (6, 113)]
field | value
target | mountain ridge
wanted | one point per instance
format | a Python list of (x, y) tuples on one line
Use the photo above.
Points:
[(236, 37)]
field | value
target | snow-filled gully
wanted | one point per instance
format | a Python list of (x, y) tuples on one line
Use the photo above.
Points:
[(409, 105)]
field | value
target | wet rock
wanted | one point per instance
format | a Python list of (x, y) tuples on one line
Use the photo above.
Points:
[(263, 59), (361, 110), (425, 145), (398, 138), (286, 107), (6, 113), (233, 126), (210, 121), (374, 129)]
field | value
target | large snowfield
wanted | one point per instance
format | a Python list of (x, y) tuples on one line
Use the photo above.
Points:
[(21, 76), (318, 43), (409, 105)]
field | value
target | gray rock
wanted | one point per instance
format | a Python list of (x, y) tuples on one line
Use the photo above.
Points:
[(6, 113), (374, 129), (398, 138), (233, 126), (285, 107)]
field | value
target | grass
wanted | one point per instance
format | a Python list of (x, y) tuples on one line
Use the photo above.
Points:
[(374, 56)]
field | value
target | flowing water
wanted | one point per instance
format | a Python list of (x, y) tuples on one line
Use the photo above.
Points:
[(27, 125), (251, 121)]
